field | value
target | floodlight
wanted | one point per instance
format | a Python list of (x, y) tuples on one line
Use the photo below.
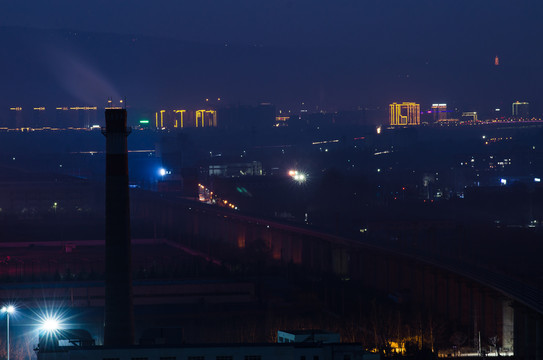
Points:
[(50, 324), (10, 309)]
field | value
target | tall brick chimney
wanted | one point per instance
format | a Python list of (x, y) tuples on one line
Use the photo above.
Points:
[(119, 311)]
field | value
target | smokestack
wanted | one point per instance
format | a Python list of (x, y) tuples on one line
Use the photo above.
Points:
[(119, 312)]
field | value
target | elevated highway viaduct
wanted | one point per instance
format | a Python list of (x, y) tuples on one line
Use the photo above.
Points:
[(484, 301)]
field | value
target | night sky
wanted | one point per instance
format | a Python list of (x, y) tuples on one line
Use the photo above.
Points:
[(328, 54)]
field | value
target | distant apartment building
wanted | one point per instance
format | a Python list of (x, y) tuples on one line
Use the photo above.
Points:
[(206, 118), (84, 116), (237, 117), (439, 112), (406, 113), (16, 119), (38, 117), (252, 168), (469, 116), (520, 109), (159, 119), (62, 117), (182, 118)]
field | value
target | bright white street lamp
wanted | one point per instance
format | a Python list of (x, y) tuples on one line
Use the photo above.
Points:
[(50, 324), (8, 309)]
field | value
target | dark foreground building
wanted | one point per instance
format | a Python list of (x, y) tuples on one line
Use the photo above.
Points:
[(81, 348)]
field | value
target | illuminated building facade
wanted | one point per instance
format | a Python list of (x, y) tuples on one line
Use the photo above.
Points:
[(16, 119), (38, 117), (439, 112), (520, 109), (63, 117), (406, 113), (206, 118), (469, 116), (200, 115), (211, 118), (159, 119), (84, 117), (180, 118)]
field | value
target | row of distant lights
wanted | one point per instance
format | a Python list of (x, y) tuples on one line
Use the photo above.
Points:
[(504, 181), (224, 202), (230, 205), (163, 172), (297, 176), (48, 323)]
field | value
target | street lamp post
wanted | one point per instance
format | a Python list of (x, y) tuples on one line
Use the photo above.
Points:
[(10, 309)]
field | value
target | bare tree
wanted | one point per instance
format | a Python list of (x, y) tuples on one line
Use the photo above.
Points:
[(495, 342), (458, 339)]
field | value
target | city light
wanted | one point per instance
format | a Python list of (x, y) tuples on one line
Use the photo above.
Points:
[(297, 176)]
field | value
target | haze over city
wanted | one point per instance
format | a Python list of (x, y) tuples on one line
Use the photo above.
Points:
[(330, 56)]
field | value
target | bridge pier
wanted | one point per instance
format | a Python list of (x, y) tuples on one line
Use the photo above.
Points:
[(447, 296), (483, 325), (508, 330), (435, 295), (538, 339), (528, 341)]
